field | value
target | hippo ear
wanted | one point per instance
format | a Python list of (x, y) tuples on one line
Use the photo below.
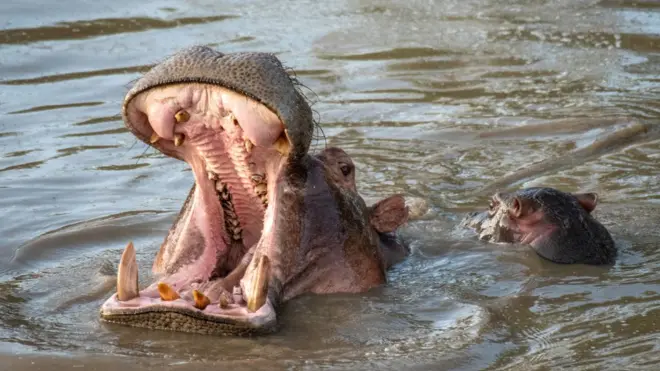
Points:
[(516, 207), (389, 214), (587, 200)]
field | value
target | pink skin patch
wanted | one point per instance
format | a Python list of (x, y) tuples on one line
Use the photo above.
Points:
[(533, 227)]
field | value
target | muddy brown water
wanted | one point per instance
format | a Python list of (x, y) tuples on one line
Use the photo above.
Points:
[(443, 100)]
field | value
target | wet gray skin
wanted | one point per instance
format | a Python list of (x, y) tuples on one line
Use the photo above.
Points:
[(265, 221), (557, 225)]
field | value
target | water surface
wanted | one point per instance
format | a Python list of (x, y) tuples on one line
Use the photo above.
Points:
[(435, 99)]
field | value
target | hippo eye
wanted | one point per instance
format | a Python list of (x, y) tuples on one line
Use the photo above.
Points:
[(345, 169)]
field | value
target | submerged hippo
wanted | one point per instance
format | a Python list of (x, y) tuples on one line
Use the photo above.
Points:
[(265, 221), (557, 225)]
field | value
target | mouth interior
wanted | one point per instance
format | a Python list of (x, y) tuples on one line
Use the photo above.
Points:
[(236, 148)]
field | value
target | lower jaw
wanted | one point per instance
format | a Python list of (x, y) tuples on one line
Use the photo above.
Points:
[(180, 316), (150, 309)]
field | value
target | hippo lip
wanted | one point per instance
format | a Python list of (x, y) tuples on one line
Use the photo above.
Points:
[(237, 135)]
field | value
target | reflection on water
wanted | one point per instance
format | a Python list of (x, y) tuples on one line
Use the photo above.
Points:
[(444, 100)]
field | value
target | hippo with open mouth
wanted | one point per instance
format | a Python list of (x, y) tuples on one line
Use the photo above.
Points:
[(557, 225), (265, 221)]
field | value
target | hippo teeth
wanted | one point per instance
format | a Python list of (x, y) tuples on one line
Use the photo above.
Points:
[(166, 292), (248, 145), (260, 187), (237, 295), (223, 301), (259, 285), (154, 138), (178, 140), (201, 300), (127, 275), (282, 145), (181, 116)]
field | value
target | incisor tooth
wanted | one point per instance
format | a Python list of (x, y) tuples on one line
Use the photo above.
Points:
[(201, 301), (248, 145), (127, 275), (259, 285), (166, 292), (223, 302), (282, 145), (178, 139), (154, 138), (182, 116), (237, 294)]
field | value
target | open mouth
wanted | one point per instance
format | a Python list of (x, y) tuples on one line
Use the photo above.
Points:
[(211, 278)]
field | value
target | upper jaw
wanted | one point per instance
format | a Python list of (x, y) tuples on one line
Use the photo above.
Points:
[(258, 76)]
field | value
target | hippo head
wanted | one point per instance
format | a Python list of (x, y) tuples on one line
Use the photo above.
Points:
[(557, 225), (264, 221)]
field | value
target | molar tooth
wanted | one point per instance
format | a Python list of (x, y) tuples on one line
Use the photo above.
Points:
[(178, 139), (257, 178), (261, 189), (166, 292), (154, 138), (248, 145), (259, 289), (182, 116), (212, 175), (127, 275), (201, 301)]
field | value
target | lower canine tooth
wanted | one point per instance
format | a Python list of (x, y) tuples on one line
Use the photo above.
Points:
[(178, 139), (166, 292), (127, 275), (259, 290), (154, 138), (257, 178), (201, 301)]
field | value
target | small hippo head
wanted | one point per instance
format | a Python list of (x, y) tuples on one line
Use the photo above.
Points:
[(557, 225)]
